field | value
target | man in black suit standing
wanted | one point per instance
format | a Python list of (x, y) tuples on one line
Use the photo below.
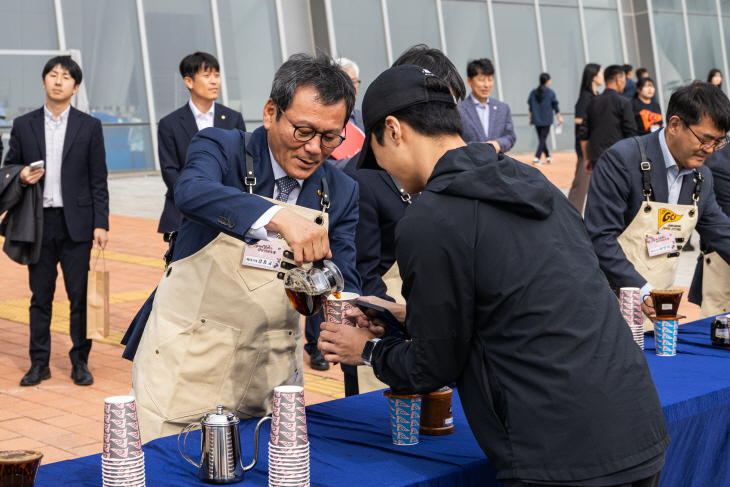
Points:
[(75, 210), (201, 74)]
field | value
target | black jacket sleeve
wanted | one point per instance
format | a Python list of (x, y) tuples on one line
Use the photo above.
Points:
[(98, 177), (169, 161), (437, 266), (628, 123)]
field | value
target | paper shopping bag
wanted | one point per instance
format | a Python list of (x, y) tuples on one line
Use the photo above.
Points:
[(97, 301)]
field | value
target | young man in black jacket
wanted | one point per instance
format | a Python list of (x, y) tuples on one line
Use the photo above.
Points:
[(553, 386)]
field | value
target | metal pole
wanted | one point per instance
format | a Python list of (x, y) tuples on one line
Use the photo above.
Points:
[(689, 40), (622, 31), (59, 25), (219, 49), (329, 17), (386, 29), (543, 60), (655, 54), (495, 54), (722, 38), (282, 31), (148, 81), (583, 33), (442, 30)]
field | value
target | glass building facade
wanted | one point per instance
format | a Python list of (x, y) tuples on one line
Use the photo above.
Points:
[(130, 50)]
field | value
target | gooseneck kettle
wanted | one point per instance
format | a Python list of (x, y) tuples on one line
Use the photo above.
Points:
[(220, 448)]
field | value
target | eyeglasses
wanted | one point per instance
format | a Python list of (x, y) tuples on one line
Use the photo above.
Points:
[(714, 145), (304, 134)]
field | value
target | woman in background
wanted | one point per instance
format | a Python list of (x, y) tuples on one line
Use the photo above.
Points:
[(715, 77), (592, 79), (542, 102), (647, 112)]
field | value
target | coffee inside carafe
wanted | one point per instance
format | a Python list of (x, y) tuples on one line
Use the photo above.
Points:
[(308, 288)]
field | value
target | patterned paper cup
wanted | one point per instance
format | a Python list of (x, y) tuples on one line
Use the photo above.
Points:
[(665, 335), (288, 418), (405, 417), (121, 429), (630, 300), (335, 308)]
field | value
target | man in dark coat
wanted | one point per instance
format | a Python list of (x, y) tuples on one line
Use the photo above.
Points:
[(201, 74), (75, 210), (503, 318)]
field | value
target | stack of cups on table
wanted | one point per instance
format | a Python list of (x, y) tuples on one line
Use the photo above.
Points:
[(122, 460), (405, 417), (289, 445), (630, 299)]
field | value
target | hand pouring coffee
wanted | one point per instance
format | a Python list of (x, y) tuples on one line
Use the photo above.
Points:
[(220, 448), (308, 288)]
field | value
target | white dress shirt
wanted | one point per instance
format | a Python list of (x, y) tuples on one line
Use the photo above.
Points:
[(675, 178), (483, 113), (55, 136), (257, 230), (203, 120)]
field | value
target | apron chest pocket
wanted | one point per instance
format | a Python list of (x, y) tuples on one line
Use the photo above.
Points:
[(187, 370), (652, 262), (276, 365)]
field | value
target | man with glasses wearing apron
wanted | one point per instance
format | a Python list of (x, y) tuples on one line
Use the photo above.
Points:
[(219, 330), (649, 193)]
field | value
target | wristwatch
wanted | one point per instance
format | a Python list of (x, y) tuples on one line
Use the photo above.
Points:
[(367, 352)]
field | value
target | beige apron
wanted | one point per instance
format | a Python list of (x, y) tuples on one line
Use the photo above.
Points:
[(219, 334), (651, 219), (366, 380), (715, 286)]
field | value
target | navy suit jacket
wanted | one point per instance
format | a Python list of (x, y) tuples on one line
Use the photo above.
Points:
[(83, 171), (615, 196), (174, 134), (212, 197), (501, 127)]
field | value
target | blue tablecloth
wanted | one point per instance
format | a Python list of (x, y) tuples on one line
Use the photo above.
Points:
[(351, 444)]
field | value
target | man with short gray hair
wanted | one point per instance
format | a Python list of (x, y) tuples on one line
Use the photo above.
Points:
[(219, 329)]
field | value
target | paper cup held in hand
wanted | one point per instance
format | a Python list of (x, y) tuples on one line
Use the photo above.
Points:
[(335, 308)]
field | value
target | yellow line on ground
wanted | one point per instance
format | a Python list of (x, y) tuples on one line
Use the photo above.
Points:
[(324, 385), (17, 310), (154, 262)]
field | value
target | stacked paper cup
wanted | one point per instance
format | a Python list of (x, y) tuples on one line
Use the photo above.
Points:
[(122, 460), (289, 446), (630, 299)]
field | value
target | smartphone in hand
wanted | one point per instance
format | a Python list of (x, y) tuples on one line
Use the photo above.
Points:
[(34, 166)]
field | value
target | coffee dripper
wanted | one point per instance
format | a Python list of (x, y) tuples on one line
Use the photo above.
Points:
[(220, 448), (308, 288)]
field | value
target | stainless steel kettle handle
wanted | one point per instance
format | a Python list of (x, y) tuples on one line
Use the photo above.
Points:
[(184, 451), (255, 444)]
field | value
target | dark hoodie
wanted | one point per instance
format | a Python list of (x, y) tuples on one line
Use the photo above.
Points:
[(506, 297)]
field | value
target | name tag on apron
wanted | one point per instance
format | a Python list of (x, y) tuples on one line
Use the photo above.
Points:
[(263, 255), (662, 243)]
